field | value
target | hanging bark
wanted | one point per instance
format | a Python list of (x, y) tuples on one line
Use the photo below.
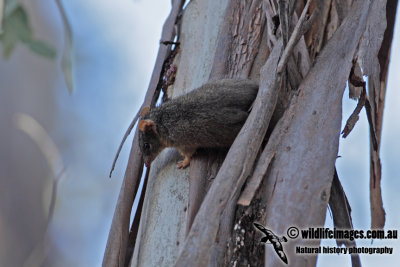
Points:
[(373, 37), (377, 93), (301, 174), (341, 210)]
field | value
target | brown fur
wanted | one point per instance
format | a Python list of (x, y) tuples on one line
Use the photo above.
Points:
[(207, 117)]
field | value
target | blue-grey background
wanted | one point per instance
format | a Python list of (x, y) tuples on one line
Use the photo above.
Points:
[(115, 45)]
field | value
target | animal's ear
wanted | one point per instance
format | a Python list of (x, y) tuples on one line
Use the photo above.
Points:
[(147, 126), (144, 111)]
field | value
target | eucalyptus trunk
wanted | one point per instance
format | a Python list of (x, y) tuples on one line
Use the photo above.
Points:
[(280, 171)]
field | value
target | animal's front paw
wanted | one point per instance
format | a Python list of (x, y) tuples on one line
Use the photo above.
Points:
[(183, 163)]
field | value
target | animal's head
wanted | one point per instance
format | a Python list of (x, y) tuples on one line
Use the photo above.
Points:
[(149, 139)]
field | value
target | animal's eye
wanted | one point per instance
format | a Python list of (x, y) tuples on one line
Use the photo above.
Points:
[(146, 146)]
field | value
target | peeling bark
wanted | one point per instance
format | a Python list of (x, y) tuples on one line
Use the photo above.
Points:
[(301, 174), (341, 210)]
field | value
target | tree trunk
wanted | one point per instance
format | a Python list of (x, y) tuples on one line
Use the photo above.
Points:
[(279, 170)]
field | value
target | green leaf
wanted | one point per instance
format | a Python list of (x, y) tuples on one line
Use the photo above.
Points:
[(17, 28), (18, 21), (9, 40), (42, 49), (10, 6), (1, 15)]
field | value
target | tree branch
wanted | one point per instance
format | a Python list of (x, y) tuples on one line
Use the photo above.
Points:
[(128, 131), (294, 38)]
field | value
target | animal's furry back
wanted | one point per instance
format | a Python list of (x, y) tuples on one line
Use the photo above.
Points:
[(210, 116)]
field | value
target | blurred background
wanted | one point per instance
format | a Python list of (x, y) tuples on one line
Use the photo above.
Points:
[(115, 45)]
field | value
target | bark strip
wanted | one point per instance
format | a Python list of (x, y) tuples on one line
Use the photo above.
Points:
[(117, 242), (341, 210), (379, 55), (301, 174), (136, 220), (268, 154)]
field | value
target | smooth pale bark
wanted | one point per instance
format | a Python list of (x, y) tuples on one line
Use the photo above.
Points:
[(162, 228)]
